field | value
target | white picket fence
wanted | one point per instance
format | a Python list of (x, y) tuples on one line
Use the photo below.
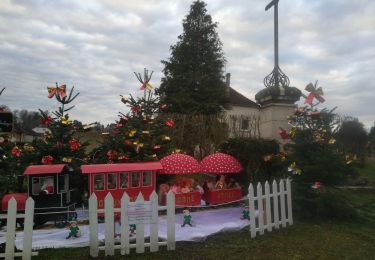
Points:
[(11, 218), (270, 214), (138, 213)]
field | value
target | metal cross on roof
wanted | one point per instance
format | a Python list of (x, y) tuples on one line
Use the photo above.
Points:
[(276, 77)]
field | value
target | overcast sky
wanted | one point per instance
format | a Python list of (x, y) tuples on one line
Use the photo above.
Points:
[(97, 45)]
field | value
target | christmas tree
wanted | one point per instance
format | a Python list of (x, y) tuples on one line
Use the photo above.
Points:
[(143, 134), (316, 165), (58, 144)]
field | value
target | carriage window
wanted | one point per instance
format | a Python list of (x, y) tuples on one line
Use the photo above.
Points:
[(98, 182), (147, 178), (47, 185), (124, 180), (36, 186), (136, 176), (112, 181)]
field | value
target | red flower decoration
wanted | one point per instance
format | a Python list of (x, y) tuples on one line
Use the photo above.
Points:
[(46, 120), (127, 142), (122, 158), (16, 152), (169, 122), (124, 118), (74, 144), (136, 109), (283, 134), (48, 159), (111, 154)]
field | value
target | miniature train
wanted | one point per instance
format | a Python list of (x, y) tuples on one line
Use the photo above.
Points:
[(49, 186)]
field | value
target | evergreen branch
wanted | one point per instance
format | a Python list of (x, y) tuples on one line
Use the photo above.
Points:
[(66, 110), (1, 92)]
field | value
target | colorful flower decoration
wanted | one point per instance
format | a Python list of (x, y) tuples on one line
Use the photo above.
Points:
[(111, 154), (48, 159), (169, 122), (65, 120), (316, 185), (136, 109), (16, 152), (60, 91), (122, 157), (28, 147), (163, 106), (294, 169), (67, 159), (314, 93), (132, 132), (283, 134), (74, 144), (128, 142), (46, 120)]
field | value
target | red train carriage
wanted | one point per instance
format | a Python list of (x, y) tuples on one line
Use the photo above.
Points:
[(49, 187), (116, 179)]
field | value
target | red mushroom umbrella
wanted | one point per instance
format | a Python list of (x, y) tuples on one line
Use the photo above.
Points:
[(179, 164), (220, 163)]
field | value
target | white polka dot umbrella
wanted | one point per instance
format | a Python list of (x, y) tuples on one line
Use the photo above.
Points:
[(220, 163), (179, 164)]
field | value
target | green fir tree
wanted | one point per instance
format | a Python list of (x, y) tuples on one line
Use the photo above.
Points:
[(193, 81)]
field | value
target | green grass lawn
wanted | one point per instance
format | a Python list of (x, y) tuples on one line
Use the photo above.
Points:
[(304, 240)]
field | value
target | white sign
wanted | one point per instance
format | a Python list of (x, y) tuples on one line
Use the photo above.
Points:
[(141, 212)]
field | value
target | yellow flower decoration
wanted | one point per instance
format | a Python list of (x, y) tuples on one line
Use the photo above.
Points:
[(132, 132), (28, 147), (65, 120), (332, 141), (67, 159), (294, 169)]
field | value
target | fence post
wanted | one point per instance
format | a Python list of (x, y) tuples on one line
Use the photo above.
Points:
[(125, 241), (28, 229), (171, 221), (268, 206), (109, 225), (252, 211), (282, 202), (11, 229), (275, 195), (140, 227), (289, 199), (154, 225), (260, 208), (93, 221)]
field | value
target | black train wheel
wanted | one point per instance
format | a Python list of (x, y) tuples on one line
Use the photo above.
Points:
[(60, 221)]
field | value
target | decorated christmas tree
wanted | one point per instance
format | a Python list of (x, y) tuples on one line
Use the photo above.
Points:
[(316, 165), (143, 134), (58, 144)]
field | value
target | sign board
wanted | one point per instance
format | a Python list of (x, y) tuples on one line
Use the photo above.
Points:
[(141, 212), (6, 122)]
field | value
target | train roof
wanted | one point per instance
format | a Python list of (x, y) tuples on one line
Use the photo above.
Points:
[(121, 167), (44, 169)]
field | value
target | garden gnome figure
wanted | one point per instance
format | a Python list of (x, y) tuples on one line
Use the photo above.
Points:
[(74, 230), (245, 213), (187, 218)]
